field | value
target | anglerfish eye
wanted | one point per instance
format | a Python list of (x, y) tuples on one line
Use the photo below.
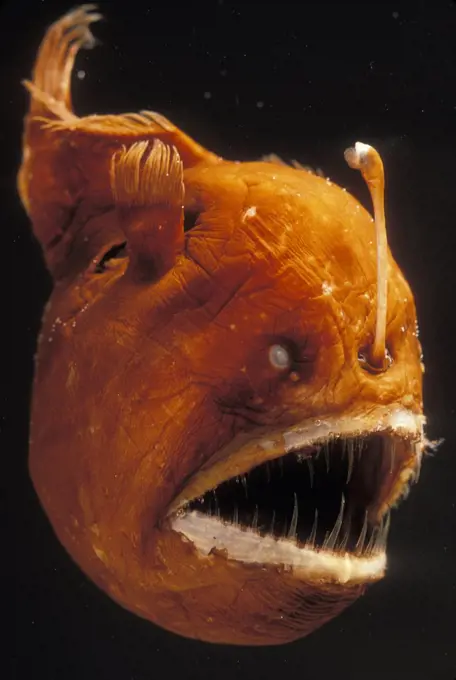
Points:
[(279, 357)]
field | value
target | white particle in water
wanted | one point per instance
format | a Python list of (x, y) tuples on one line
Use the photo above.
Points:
[(81, 74)]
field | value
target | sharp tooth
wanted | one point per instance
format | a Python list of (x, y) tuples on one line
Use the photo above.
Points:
[(380, 543), (362, 537), (271, 530), (387, 527), (236, 515), (344, 541), (255, 518), (418, 464), (244, 484), (376, 533), (294, 519), (330, 542), (379, 536), (311, 471), (392, 452), (351, 460), (313, 533)]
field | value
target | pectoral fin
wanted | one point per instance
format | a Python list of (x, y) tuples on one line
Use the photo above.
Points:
[(148, 189)]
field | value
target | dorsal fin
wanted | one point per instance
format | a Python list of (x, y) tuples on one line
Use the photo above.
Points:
[(274, 158)]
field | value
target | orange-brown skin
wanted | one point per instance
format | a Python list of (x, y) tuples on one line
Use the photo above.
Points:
[(140, 380)]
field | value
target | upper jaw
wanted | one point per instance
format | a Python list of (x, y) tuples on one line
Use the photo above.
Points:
[(247, 450)]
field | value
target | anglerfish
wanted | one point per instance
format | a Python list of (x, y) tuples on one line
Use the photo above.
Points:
[(227, 401)]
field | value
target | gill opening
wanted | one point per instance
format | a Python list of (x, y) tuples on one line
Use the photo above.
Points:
[(366, 159)]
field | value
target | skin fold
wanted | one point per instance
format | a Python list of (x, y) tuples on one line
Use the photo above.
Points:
[(154, 355)]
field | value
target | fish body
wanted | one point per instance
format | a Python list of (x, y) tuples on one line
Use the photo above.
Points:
[(208, 439)]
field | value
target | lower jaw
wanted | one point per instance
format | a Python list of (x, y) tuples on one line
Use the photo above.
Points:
[(306, 564)]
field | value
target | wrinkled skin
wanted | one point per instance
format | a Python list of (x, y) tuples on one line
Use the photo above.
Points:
[(140, 379)]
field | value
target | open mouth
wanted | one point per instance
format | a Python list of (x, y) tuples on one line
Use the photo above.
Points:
[(322, 508)]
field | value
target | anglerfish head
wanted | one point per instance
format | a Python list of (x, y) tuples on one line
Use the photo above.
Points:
[(228, 393)]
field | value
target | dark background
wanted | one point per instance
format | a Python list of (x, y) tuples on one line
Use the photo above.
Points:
[(305, 82)]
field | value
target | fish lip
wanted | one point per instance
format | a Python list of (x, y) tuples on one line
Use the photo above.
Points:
[(247, 450), (317, 567)]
